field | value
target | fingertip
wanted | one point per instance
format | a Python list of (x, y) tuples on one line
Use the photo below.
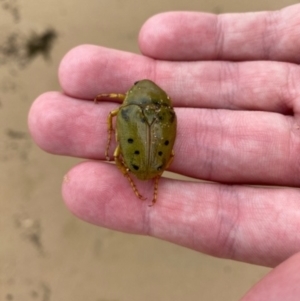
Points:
[(77, 189), (97, 193), (153, 32), (76, 60), (180, 36), (88, 70), (40, 117)]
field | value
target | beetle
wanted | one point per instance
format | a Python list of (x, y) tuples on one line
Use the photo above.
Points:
[(145, 132)]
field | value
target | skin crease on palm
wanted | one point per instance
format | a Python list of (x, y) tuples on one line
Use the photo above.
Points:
[(234, 81)]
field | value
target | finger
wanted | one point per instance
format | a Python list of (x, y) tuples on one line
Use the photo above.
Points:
[(66, 126), (271, 35), (225, 146), (225, 221), (265, 86), (282, 283)]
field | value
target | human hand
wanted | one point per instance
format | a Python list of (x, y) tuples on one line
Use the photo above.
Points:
[(234, 82)]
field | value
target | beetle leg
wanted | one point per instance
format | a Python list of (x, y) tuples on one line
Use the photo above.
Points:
[(112, 114), (171, 159), (110, 117), (110, 96), (125, 172), (156, 179), (119, 162)]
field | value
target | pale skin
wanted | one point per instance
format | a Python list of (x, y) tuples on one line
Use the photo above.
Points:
[(235, 84)]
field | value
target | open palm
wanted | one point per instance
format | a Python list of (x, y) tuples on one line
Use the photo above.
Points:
[(234, 81)]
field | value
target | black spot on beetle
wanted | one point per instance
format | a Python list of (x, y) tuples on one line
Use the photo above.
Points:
[(135, 167), (166, 142), (160, 153), (124, 114), (159, 167), (137, 152), (130, 140)]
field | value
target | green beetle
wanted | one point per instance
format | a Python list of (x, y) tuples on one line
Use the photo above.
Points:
[(145, 132)]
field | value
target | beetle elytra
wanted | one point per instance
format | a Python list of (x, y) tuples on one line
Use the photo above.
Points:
[(145, 132)]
